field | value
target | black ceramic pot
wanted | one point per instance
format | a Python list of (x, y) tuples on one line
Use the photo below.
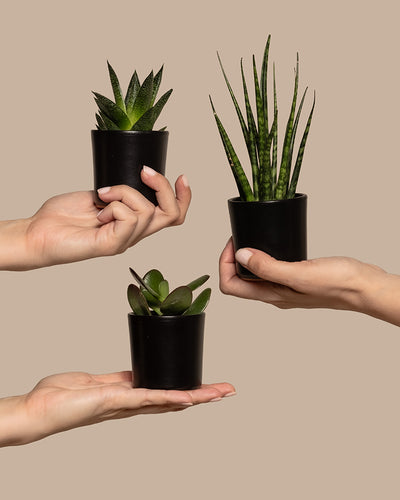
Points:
[(167, 351), (277, 227), (119, 156)]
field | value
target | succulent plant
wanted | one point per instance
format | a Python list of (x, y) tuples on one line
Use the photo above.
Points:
[(262, 140), (152, 296), (138, 110)]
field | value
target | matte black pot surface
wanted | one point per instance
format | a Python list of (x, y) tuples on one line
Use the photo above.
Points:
[(119, 156), (167, 351), (277, 227)]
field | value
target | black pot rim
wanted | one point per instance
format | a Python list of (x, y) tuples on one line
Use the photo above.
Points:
[(131, 132), (297, 196), (166, 319)]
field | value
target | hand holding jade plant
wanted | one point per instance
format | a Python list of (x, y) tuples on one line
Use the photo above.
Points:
[(153, 297), (138, 110), (262, 139)]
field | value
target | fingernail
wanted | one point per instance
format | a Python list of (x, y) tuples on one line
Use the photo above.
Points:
[(185, 181), (148, 170), (186, 404), (100, 212), (215, 399), (104, 190), (243, 255), (230, 394)]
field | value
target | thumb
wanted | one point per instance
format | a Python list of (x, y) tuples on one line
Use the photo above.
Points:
[(266, 267)]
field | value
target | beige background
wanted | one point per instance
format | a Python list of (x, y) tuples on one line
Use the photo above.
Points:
[(317, 412)]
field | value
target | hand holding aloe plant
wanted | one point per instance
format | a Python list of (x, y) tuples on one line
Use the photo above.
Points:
[(268, 182), (153, 297), (138, 110)]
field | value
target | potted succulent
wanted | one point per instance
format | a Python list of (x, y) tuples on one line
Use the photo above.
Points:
[(268, 214), (124, 140), (166, 332)]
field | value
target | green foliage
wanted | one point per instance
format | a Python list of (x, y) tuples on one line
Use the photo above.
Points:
[(262, 140), (152, 296), (138, 110)]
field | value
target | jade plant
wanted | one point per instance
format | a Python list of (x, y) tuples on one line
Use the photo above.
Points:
[(138, 110), (261, 138), (152, 296)]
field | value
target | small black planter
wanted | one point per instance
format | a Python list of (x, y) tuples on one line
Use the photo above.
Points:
[(277, 227), (119, 156), (167, 351)]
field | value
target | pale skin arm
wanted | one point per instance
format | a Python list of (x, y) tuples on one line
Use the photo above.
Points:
[(69, 227), (331, 282), (68, 400)]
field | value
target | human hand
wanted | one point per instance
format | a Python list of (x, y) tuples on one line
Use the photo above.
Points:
[(69, 227), (68, 400), (330, 282)]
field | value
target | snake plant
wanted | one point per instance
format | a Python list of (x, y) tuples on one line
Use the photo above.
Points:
[(261, 138), (137, 110), (152, 296)]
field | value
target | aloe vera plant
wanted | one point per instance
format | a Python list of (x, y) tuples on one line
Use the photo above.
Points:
[(152, 296), (261, 138), (138, 110)]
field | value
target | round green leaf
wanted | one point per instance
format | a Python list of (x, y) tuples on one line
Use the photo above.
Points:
[(177, 301), (200, 303)]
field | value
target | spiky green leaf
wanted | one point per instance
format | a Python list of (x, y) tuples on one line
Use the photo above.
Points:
[(100, 122), (112, 111), (156, 84), (109, 124), (146, 122), (143, 99), (131, 94), (119, 100), (177, 301), (199, 303)]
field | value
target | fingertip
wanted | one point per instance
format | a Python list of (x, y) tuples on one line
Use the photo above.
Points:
[(243, 255)]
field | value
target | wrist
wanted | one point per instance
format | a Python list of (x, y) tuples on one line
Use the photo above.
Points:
[(14, 424), (15, 255), (380, 295)]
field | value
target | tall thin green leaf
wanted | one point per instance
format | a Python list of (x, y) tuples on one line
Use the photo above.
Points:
[(295, 125), (242, 182), (253, 135), (274, 167), (237, 108), (264, 74), (284, 171), (119, 100), (264, 156), (300, 154)]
